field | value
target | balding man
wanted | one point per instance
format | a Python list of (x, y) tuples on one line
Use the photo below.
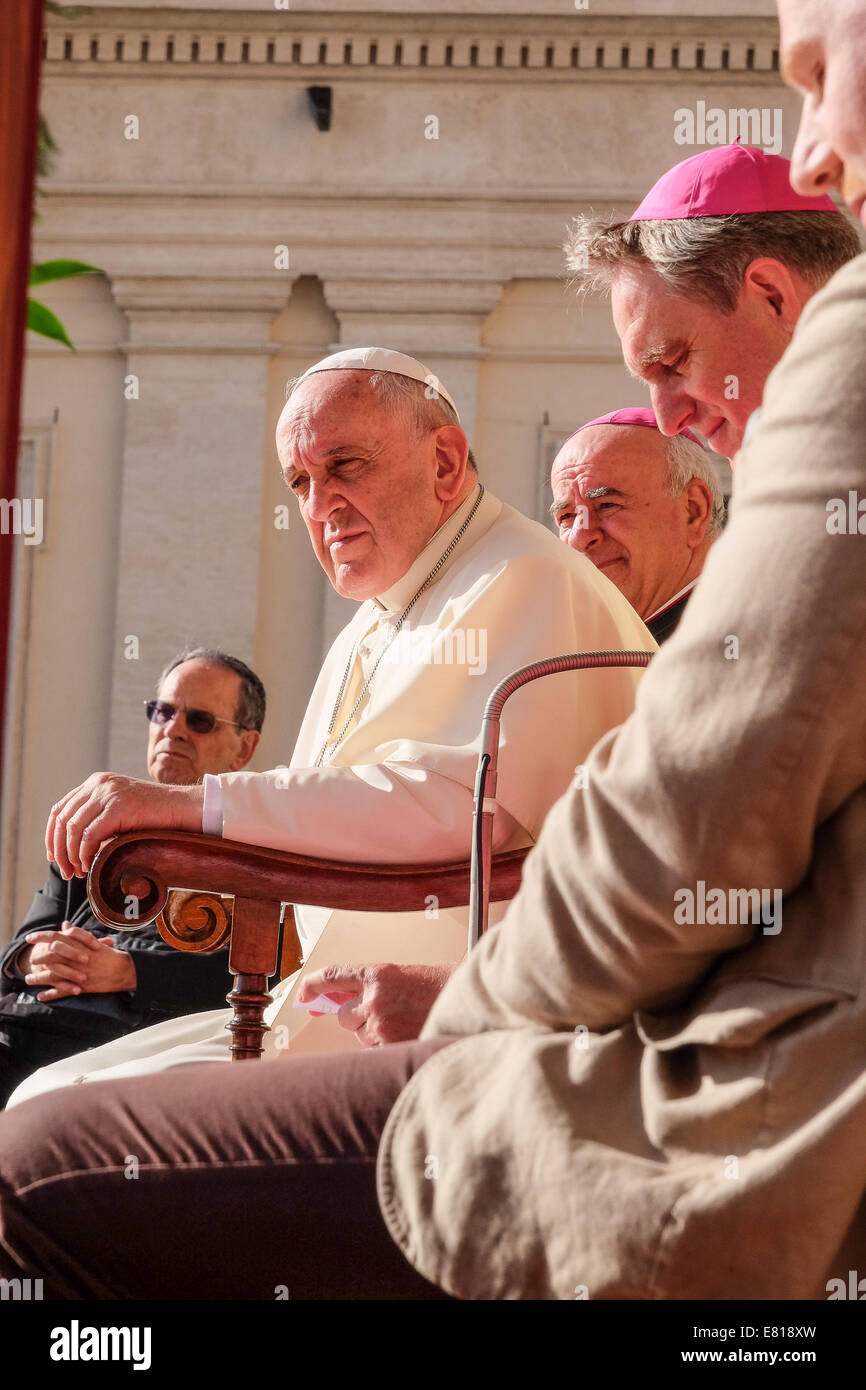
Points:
[(708, 278), (644, 508), (456, 590)]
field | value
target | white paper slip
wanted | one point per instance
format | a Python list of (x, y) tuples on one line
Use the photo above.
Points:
[(320, 1004)]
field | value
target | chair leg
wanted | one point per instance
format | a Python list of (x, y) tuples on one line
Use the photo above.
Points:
[(252, 959), (249, 999)]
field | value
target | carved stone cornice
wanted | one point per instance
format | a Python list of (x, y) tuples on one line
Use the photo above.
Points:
[(478, 46)]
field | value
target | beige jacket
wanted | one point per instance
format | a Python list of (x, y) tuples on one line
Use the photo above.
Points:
[(647, 1108)]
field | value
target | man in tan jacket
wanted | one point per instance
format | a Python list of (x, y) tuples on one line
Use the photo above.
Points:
[(670, 1103), (649, 1099)]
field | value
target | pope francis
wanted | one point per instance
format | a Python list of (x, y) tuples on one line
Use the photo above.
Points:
[(456, 590)]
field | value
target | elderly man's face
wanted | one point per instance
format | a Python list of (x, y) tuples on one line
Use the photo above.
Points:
[(175, 752), (706, 370), (370, 491), (644, 540), (823, 56)]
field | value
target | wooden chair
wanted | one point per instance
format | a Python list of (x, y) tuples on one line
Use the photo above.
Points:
[(136, 876)]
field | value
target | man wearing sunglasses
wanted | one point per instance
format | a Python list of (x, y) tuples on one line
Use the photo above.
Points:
[(65, 984)]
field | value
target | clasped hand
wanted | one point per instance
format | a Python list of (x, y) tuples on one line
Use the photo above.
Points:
[(74, 961)]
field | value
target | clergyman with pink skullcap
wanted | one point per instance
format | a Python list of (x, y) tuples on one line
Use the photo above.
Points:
[(644, 508), (708, 278)]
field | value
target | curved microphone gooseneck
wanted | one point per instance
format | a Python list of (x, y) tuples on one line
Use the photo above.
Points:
[(488, 758)]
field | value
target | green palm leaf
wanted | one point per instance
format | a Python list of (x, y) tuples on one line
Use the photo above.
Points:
[(41, 320), (59, 270)]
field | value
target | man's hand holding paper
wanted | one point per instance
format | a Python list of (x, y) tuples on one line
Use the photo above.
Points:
[(381, 1003)]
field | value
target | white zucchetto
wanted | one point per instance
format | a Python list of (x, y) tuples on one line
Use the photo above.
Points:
[(376, 359)]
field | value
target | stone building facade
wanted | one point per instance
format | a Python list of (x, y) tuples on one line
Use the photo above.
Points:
[(244, 227)]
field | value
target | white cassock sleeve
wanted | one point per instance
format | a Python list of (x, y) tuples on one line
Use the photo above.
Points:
[(349, 812)]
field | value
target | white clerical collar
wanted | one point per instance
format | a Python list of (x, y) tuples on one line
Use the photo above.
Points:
[(671, 601), (399, 594)]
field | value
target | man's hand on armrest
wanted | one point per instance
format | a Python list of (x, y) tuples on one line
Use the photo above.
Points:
[(74, 961), (105, 805), (380, 1003)]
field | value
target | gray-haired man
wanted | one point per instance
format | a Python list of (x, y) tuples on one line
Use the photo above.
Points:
[(643, 508)]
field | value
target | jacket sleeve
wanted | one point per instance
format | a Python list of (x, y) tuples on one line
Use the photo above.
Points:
[(748, 731), (171, 982)]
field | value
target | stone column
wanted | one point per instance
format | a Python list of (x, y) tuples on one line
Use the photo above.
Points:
[(190, 514)]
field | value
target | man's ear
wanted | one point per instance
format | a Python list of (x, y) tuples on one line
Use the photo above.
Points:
[(782, 291), (699, 509), (249, 741), (452, 454)]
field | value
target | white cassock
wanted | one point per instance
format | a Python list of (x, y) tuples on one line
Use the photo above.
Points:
[(399, 786)]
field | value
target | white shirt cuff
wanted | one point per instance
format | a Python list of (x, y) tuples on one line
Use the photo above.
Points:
[(212, 806)]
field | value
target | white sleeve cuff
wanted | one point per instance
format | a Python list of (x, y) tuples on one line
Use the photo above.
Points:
[(212, 807)]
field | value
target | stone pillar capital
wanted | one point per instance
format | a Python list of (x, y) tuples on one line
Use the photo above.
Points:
[(201, 314), (439, 321), (416, 315)]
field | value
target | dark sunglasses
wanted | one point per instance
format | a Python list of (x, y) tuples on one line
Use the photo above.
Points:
[(200, 721)]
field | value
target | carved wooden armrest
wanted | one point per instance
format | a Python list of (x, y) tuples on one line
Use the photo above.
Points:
[(141, 867)]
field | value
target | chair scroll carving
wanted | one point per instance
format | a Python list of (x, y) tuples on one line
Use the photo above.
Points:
[(182, 879), (195, 921)]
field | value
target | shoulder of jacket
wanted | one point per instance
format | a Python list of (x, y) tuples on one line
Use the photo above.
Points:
[(846, 286)]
